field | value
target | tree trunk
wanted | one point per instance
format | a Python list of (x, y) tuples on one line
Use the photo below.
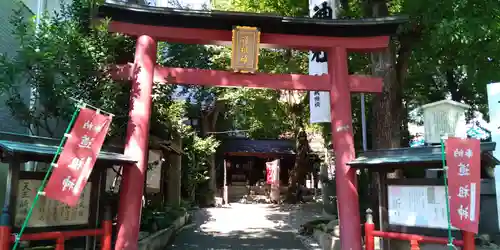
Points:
[(405, 140), (329, 190), (212, 188), (208, 124), (175, 175), (386, 105), (388, 108), (453, 86), (300, 169), (392, 65)]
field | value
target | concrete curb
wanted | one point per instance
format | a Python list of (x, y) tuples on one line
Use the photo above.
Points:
[(160, 239)]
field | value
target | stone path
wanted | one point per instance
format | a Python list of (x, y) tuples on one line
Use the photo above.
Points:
[(246, 226)]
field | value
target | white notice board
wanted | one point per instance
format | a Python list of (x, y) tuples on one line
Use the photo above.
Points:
[(49, 213), (417, 206)]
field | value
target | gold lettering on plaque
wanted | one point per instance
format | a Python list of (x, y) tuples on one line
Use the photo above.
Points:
[(245, 54)]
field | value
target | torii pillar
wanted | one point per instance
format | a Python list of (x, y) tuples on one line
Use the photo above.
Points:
[(136, 144), (343, 147)]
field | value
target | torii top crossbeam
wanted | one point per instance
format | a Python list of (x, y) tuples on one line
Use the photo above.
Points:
[(214, 27), (335, 37)]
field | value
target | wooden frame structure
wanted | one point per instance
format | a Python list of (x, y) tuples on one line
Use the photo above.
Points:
[(335, 37), (15, 150), (382, 162)]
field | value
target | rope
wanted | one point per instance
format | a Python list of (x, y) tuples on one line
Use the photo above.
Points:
[(445, 169), (42, 186)]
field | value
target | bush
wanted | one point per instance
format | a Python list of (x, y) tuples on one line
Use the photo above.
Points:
[(154, 219)]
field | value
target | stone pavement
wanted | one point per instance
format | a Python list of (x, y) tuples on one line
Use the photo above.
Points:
[(299, 214), (248, 226)]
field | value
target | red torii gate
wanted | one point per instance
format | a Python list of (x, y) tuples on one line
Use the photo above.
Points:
[(336, 37)]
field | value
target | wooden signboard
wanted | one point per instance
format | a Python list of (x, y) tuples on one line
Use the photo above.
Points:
[(47, 212), (245, 54)]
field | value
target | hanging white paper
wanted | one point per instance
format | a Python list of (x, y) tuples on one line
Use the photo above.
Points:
[(417, 206), (319, 101), (493, 90)]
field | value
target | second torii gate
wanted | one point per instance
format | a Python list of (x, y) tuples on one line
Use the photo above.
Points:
[(336, 37)]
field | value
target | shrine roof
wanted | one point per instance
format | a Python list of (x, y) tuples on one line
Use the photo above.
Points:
[(34, 148), (415, 157), (244, 145), (268, 23)]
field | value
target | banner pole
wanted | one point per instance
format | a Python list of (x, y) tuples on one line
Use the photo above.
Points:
[(448, 215), (363, 122)]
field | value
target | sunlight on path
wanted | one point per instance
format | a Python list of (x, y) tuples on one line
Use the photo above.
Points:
[(241, 217), (241, 226)]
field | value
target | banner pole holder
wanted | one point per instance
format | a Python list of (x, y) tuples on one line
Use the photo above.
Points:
[(85, 105), (448, 213)]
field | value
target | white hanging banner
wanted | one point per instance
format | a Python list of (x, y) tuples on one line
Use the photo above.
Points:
[(319, 101), (493, 90)]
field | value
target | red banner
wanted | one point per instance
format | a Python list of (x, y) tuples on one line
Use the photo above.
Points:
[(463, 158), (78, 157), (273, 172)]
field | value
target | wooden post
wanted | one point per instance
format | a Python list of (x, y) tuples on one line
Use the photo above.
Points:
[(369, 227), (107, 227), (10, 195), (4, 237), (414, 245), (60, 243), (175, 174), (469, 241)]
